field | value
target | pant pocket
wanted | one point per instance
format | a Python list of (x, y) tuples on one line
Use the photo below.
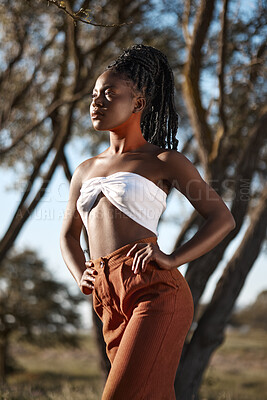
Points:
[(136, 287), (131, 281)]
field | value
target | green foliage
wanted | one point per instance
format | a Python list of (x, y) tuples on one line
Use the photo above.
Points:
[(32, 303), (33, 307)]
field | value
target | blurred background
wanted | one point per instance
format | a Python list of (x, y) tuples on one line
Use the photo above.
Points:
[(51, 53)]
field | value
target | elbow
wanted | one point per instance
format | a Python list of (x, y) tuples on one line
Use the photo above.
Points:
[(65, 242), (62, 241), (62, 236), (233, 223), (224, 220), (229, 221), (66, 237)]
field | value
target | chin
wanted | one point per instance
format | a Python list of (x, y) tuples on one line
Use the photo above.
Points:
[(99, 127)]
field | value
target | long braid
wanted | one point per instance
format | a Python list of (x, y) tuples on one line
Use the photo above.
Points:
[(149, 70)]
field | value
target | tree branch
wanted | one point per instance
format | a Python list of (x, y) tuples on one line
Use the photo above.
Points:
[(200, 270), (14, 227), (75, 15), (185, 22), (24, 211), (24, 90), (57, 103), (222, 54), (22, 36), (257, 62), (98, 47), (65, 164), (222, 131), (196, 111)]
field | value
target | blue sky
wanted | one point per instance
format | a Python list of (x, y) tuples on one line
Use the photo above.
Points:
[(41, 231)]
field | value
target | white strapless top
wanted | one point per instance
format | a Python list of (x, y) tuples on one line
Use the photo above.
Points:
[(133, 194)]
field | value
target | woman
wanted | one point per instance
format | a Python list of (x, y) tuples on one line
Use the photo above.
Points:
[(144, 302)]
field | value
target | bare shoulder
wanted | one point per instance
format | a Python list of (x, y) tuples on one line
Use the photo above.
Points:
[(179, 170), (79, 176), (175, 163), (172, 156), (81, 171)]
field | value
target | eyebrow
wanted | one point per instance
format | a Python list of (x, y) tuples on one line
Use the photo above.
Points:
[(107, 86)]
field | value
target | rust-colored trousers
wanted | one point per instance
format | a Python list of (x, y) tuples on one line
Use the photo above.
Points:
[(146, 318)]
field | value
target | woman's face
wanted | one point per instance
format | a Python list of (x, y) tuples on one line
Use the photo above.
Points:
[(112, 100)]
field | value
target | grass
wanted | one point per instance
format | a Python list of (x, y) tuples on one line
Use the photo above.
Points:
[(57, 373), (237, 371)]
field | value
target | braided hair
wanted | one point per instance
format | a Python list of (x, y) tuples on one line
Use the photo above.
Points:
[(151, 74)]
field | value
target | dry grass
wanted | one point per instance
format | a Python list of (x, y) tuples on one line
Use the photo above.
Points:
[(57, 373), (237, 371)]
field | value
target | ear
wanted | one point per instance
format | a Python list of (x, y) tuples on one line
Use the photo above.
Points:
[(140, 104)]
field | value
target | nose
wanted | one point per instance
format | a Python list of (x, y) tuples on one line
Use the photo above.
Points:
[(97, 100)]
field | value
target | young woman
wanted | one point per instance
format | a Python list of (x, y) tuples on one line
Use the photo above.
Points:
[(144, 302)]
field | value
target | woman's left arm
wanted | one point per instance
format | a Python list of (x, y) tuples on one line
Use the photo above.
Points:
[(218, 219)]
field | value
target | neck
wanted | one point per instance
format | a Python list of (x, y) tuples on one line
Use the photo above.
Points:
[(127, 136)]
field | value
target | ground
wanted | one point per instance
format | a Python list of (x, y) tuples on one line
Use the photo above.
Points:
[(237, 371)]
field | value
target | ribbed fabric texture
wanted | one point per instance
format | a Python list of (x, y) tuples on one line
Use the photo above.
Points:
[(146, 318)]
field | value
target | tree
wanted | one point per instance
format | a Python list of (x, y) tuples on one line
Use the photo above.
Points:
[(47, 75), (33, 306), (222, 127), (49, 65), (230, 132)]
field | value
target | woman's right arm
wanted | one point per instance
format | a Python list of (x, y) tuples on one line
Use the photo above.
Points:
[(70, 234)]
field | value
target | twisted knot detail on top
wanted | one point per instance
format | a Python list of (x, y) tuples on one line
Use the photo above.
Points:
[(136, 196)]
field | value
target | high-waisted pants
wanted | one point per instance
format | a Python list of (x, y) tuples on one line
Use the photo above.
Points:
[(146, 318)]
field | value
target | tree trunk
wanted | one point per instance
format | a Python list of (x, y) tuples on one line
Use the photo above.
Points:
[(210, 331), (191, 92), (3, 356), (200, 270)]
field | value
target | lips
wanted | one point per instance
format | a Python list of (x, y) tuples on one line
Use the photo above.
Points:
[(96, 114)]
